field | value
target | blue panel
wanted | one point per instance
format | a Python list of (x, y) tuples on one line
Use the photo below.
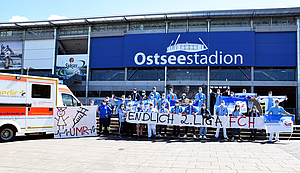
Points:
[(107, 52), (276, 49)]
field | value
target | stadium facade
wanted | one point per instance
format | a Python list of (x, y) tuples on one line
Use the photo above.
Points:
[(255, 49)]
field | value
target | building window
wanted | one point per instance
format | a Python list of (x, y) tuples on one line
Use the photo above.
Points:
[(34, 32), (43, 73), (274, 74), (197, 24), (11, 33), (231, 22), (147, 25), (108, 75), (142, 74), (109, 27), (279, 21), (178, 24), (230, 74), (79, 30), (261, 22), (196, 74)]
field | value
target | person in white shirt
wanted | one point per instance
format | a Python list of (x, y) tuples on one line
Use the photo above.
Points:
[(151, 127)]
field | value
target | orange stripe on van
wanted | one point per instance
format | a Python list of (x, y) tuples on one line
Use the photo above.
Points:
[(64, 89), (12, 111), (40, 111), (12, 78)]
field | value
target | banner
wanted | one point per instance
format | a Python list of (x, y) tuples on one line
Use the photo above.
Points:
[(69, 65), (11, 55), (281, 123), (70, 122), (196, 121)]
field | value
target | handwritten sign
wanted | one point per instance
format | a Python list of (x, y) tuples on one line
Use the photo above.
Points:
[(70, 122)]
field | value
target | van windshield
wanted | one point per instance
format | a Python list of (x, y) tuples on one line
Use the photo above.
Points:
[(69, 100)]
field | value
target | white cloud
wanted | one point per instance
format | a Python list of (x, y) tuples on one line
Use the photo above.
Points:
[(54, 17), (17, 18)]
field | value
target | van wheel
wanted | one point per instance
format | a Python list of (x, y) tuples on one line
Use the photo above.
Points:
[(7, 133)]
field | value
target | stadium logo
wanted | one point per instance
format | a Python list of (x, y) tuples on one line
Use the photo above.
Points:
[(186, 47), (287, 122)]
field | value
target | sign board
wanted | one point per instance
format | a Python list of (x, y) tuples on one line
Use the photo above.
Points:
[(70, 122)]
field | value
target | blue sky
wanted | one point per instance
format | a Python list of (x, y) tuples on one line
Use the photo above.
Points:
[(16, 10)]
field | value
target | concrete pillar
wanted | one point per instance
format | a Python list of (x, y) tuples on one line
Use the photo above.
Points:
[(88, 67)]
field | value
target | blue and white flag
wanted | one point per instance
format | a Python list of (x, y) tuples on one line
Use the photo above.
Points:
[(278, 123)]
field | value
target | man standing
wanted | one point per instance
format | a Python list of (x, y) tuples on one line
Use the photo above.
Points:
[(171, 96), (200, 97), (155, 94), (163, 100), (135, 96), (151, 127), (176, 110), (104, 111), (277, 110), (190, 110), (221, 111)]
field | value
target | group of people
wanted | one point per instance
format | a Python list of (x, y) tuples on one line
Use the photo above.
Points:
[(161, 104)]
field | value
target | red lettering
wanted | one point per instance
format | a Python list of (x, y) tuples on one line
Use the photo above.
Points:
[(85, 130), (239, 121), (231, 121), (78, 130), (251, 122), (71, 131)]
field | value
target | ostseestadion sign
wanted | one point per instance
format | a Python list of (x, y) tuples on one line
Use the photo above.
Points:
[(190, 49)]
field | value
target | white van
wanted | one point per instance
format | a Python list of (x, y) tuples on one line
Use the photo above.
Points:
[(27, 104)]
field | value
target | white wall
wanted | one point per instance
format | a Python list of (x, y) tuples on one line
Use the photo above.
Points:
[(39, 54)]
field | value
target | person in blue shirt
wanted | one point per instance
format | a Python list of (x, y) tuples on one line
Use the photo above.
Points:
[(205, 114), (122, 117), (104, 111), (176, 110), (237, 113), (200, 97), (163, 109), (217, 96), (277, 110), (155, 94), (253, 113), (171, 95), (139, 127), (163, 100), (190, 110), (221, 111)]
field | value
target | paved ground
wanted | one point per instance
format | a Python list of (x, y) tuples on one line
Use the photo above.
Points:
[(100, 154)]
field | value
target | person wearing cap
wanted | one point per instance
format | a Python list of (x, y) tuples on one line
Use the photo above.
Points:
[(221, 111), (176, 110), (200, 97), (277, 110), (190, 110), (135, 96), (171, 95), (143, 96), (155, 94), (151, 126), (183, 97), (163, 109), (103, 112), (163, 100)]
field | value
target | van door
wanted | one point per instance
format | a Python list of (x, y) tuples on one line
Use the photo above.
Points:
[(42, 97)]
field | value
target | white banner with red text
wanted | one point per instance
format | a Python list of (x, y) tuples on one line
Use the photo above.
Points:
[(196, 121), (70, 122)]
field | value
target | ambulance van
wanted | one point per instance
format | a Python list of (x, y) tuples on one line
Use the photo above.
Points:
[(27, 104)]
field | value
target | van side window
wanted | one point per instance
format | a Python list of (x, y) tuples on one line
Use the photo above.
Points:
[(41, 91), (69, 100)]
